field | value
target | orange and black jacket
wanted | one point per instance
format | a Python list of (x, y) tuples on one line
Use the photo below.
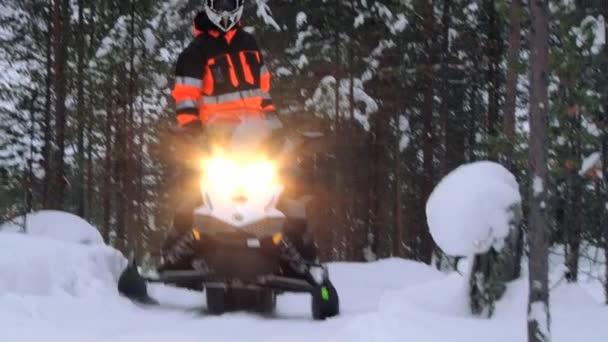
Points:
[(220, 76)]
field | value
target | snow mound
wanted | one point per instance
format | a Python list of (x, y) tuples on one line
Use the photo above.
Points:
[(470, 210), (447, 296), (56, 225), (39, 266)]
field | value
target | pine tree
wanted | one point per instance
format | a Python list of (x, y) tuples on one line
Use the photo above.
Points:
[(538, 304)]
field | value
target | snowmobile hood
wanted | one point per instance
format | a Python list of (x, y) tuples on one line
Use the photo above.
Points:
[(202, 23)]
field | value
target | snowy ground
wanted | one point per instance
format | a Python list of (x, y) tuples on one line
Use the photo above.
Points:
[(64, 291)]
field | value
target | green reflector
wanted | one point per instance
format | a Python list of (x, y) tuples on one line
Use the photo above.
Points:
[(324, 293)]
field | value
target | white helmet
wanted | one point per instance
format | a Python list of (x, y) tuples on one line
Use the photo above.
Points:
[(225, 14)]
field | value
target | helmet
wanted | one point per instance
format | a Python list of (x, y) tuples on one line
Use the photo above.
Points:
[(225, 14)]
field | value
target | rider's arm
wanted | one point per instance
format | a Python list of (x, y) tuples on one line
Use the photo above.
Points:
[(188, 87), (265, 84)]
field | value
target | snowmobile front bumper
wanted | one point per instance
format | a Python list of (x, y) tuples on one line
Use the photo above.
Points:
[(134, 286), (325, 301), (267, 281)]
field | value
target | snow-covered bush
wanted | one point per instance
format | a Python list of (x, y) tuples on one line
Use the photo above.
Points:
[(472, 208), (471, 211), (34, 265), (56, 225), (59, 253)]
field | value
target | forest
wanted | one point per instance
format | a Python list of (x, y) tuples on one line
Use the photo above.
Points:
[(404, 92)]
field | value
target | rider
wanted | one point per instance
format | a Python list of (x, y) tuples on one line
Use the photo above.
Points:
[(219, 77)]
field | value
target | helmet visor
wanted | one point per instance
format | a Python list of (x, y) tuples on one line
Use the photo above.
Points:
[(221, 6)]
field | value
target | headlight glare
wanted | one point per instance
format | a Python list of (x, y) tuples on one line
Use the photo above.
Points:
[(227, 175)]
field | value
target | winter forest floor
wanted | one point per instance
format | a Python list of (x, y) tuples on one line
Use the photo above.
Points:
[(60, 291)]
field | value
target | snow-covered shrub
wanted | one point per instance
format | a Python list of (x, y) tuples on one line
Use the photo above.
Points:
[(59, 253), (472, 208), (34, 265), (471, 213), (56, 225)]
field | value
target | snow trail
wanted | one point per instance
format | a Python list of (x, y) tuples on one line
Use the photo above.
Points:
[(60, 291)]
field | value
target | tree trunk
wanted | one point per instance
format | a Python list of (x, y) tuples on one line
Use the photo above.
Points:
[(538, 301), (92, 186), (120, 167), (605, 193), (351, 220), (60, 34), (605, 150), (474, 120), (444, 111), (338, 204), (142, 212), (80, 183), (515, 241), (108, 184), (398, 236), (132, 231), (47, 149), (574, 189), (425, 245), (30, 162), (511, 83), (573, 227), (494, 59), (382, 209), (90, 176)]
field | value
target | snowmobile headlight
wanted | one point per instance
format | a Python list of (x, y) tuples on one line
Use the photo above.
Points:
[(222, 173), (258, 177), (230, 176)]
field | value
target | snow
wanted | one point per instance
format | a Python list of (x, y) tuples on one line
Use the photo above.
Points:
[(323, 101), (263, 11), (58, 292), (399, 25), (368, 250), (373, 61), (282, 71), (539, 313), (599, 32), (383, 11), (567, 5), (359, 20), (404, 128), (40, 266), (591, 128), (302, 62), (538, 186), (150, 40), (301, 19), (590, 162), (597, 40), (61, 291), (56, 225), (470, 210)]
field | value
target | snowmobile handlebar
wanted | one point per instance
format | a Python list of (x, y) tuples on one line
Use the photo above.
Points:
[(281, 144)]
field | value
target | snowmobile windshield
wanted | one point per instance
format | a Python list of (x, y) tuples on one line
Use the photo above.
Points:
[(221, 6), (247, 136)]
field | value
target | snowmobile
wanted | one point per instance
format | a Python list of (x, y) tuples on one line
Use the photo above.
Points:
[(243, 254)]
